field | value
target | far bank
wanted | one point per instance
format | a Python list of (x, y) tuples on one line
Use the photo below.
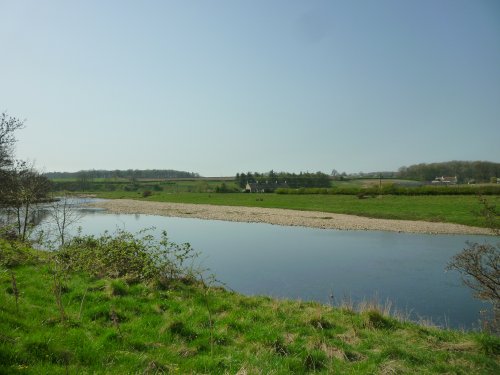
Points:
[(287, 217)]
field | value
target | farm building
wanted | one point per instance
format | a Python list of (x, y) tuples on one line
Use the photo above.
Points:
[(445, 180)]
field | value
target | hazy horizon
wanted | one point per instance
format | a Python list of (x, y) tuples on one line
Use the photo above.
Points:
[(223, 87)]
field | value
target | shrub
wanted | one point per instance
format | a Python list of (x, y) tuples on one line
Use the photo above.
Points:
[(131, 187), (15, 253), (223, 188), (125, 255)]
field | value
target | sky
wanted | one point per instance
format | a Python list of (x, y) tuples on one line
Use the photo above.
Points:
[(220, 87)]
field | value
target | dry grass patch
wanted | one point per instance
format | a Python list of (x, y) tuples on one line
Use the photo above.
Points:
[(393, 367)]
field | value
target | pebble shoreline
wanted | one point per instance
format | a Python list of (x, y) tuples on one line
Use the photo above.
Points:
[(278, 216)]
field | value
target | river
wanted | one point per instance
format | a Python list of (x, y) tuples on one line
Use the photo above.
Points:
[(322, 265)]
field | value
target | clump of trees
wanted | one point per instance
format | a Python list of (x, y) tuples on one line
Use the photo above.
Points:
[(21, 186), (466, 171), (293, 180)]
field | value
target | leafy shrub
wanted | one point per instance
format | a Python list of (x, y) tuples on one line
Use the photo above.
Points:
[(489, 344), (125, 255), (131, 187), (110, 187), (15, 253), (223, 188), (375, 319)]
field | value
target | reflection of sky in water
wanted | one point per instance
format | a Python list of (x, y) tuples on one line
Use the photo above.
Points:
[(310, 264)]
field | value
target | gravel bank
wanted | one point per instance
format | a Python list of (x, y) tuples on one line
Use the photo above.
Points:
[(283, 217)]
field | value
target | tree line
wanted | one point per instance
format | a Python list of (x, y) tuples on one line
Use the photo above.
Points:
[(465, 171), (117, 173), (292, 180)]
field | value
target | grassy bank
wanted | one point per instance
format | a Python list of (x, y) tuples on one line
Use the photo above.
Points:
[(453, 209), (120, 326)]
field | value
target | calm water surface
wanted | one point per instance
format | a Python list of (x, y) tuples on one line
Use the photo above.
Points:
[(312, 264)]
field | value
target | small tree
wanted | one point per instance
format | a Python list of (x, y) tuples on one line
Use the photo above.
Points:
[(22, 189), (63, 214), (21, 186), (8, 125), (479, 265)]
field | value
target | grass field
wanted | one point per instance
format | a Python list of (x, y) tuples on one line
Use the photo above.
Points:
[(454, 209), (117, 327)]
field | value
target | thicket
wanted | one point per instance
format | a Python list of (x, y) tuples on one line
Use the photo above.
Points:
[(132, 257), (224, 188)]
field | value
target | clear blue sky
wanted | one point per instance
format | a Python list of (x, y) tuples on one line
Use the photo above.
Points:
[(219, 87)]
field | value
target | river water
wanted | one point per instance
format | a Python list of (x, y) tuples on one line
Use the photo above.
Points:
[(322, 265)]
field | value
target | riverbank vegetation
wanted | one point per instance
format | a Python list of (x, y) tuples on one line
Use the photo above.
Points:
[(71, 311)]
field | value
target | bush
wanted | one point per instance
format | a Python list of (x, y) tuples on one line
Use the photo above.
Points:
[(131, 187), (124, 255), (223, 188), (14, 253), (110, 187)]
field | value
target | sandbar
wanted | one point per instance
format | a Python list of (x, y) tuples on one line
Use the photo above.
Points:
[(286, 217)]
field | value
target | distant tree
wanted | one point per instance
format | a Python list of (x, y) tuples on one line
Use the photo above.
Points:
[(84, 179), (241, 179)]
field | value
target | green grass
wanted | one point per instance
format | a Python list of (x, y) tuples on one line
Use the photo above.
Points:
[(461, 209), (118, 328)]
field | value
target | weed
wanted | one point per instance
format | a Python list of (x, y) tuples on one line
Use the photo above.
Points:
[(374, 319), (179, 328), (15, 290), (489, 344)]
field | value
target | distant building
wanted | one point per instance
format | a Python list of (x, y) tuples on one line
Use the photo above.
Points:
[(445, 180), (264, 187)]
